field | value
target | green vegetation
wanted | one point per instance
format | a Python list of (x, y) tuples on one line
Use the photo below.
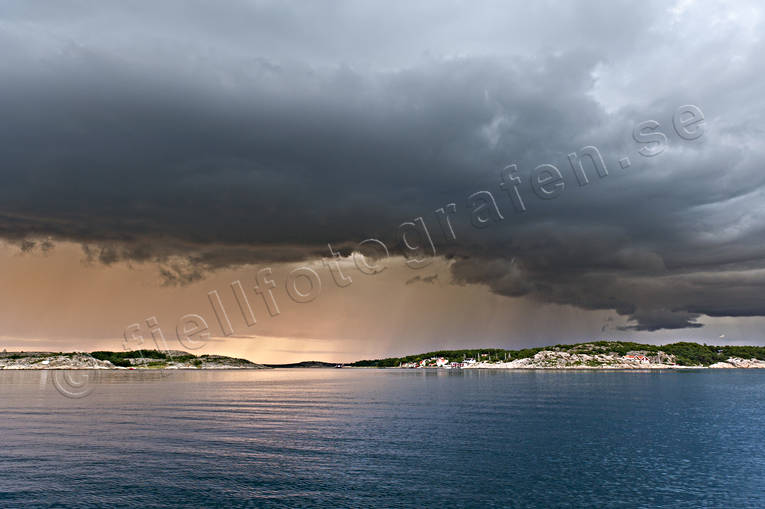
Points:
[(686, 354), (14, 356), (483, 354), (113, 357), (137, 359), (122, 359)]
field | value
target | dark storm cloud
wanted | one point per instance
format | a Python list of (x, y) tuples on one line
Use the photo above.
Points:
[(199, 137)]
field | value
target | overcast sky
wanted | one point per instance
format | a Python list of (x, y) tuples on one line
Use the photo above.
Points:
[(153, 152)]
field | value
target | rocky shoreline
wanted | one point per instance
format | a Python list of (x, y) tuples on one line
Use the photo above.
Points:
[(549, 359), (77, 361), (583, 356)]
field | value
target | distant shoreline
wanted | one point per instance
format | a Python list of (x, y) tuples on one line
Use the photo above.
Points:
[(146, 360), (597, 355)]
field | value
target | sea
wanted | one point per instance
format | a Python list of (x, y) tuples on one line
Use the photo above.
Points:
[(383, 438)]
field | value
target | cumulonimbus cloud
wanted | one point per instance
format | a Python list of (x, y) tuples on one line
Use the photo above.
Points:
[(204, 144)]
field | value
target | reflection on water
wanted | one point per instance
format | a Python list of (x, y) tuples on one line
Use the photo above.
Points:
[(390, 438)]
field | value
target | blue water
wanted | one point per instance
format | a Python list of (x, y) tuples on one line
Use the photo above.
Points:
[(385, 438)]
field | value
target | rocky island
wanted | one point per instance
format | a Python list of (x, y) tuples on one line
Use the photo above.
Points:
[(146, 359), (591, 355)]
